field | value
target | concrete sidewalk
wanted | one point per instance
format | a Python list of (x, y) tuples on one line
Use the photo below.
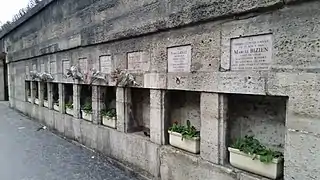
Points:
[(28, 154)]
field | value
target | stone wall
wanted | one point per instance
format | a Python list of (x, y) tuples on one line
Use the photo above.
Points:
[(198, 47)]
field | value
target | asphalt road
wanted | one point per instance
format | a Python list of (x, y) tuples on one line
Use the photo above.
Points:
[(27, 154)]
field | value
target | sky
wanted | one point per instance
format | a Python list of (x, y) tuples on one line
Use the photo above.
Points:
[(10, 8)]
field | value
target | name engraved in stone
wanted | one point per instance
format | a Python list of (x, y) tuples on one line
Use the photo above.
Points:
[(83, 64), (53, 67), (251, 53), (34, 67), (138, 61), (105, 64), (65, 66), (179, 59), (27, 70)]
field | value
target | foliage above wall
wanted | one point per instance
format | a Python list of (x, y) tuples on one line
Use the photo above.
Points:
[(41, 76), (96, 75), (123, 78), (74, 73)]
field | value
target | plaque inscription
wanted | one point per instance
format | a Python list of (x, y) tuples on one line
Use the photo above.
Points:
[(138, 61), (179, 59), (65, 66), (251, 53), (53, 67), (83, 63)]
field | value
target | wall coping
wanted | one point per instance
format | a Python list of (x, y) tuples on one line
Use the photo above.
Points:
[(32, 12)]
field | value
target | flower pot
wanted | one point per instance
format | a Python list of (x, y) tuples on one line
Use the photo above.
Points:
[(191, 145), (69, 111), (29, 99), (45, 103), (247, 162), (56, 107), (36, 101), (86, 116), (110, 122)]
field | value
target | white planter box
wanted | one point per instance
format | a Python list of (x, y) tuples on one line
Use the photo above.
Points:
[(69, 111), (247, 162), (56, 107), (86, 116), (29, 99), (191, 145), (36, 101), (110, 122), (45, 103)]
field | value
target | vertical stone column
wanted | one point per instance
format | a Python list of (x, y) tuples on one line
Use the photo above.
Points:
[(96, 105), (213, 127), (76, 101), (62, 98), (33, 91), (50, 96), (123, 103), (157, 116), (41, 93)]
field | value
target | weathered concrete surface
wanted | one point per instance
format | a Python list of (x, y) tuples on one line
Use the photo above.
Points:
[(26, 153)]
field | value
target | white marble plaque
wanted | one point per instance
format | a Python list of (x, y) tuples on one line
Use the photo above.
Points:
[(138, 61), (34, 67), (179, 59), (251, 53), (83, 64), (43, 69), (105, 64), (65, 66), (53, 67)]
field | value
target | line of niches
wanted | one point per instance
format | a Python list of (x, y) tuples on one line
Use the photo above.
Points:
[(32, 88)]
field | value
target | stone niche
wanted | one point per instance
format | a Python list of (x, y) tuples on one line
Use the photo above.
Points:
[(55, 93), (68, 93), (35, 89), (108, 97), (261, 116), (183, 106), (85, 95), (28, 90), (139, 115)]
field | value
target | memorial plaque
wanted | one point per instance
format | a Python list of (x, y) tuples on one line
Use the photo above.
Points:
[(105, 64), (179, 59), (138, 61), (83, 64), (34, 67), (53, 67), (43, 69), (27, 70), (251, 53), (65, 66)]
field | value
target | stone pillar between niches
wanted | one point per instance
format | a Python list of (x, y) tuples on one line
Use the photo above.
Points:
[(158, 124), (33, 91), (41, 93), (62, 98), (123, 106), (76, 101), (213, 127), (96, 105), (50, 95)]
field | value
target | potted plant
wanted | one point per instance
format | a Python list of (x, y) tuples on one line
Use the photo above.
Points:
[(56, 105), (36, 101), (29, 96), (249, 154), (185, 137), (86, 111), (45, 102), (69, 108), (109, 117)]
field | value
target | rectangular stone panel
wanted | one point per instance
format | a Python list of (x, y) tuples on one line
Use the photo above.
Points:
[(251, 53), (105, 64), (53, 67), (43, 69), (27, 70), (34, 67), (179, 59), (83, 64), (138, 61), (65, 66)]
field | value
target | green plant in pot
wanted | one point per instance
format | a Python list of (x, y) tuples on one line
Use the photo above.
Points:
[(251, 155), (87, 108), (69, 105), (185, 137), (111, 113)]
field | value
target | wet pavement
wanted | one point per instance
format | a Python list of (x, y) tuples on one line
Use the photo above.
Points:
[(28, 154)]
